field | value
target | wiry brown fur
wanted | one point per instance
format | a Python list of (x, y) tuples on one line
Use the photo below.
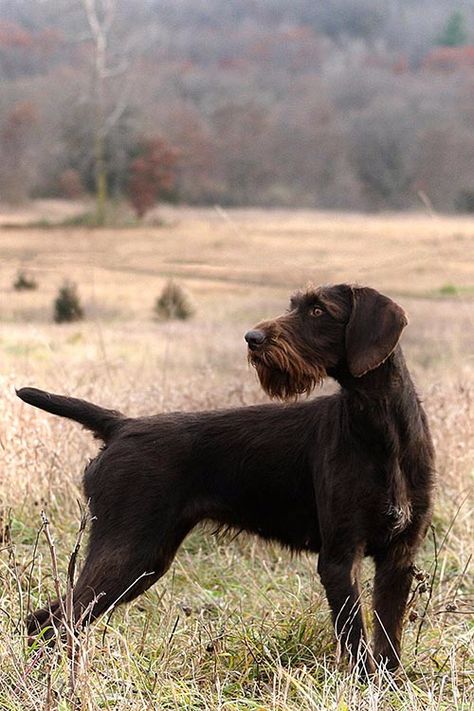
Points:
[(288, 366), (283, 367), (346, 476)]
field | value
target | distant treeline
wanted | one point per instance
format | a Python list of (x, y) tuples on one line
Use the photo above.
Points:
[(335, 104)]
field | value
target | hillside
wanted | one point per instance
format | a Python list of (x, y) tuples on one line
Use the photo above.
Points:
[(328, 105)]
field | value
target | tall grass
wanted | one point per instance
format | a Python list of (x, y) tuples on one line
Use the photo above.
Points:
[(235, 624)]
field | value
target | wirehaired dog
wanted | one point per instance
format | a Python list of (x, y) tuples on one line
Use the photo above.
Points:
[(346, 475)]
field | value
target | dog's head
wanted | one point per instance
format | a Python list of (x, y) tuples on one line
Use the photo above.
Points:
[(325, 328)]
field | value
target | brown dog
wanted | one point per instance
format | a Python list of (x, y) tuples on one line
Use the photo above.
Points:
[(346, 476)]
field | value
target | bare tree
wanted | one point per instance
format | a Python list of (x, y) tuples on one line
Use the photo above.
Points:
[(100, 17)]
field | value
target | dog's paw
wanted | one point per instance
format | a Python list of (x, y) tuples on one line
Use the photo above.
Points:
[(41, 625)]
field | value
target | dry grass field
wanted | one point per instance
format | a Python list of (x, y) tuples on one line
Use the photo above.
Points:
[(240, 625)]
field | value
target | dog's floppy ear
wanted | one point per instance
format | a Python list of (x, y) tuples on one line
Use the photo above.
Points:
[(373, 330)]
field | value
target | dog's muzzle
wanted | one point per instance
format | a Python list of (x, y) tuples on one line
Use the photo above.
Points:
[(255, 339)]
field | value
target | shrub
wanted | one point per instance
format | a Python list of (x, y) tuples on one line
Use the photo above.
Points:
[(83, 219), (67, 306), (174, 303), (464, 201), (448, 290), (152, 174), (24, 282), (70, 184)]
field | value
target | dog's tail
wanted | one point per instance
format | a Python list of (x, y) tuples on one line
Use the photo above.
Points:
[(100, 421)]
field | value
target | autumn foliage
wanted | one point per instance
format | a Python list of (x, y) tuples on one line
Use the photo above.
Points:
[(326, 105), (70, 184), (152, 173)]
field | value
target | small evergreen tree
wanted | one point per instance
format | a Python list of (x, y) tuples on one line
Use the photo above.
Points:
[(67, 306), (174, 303), (24, 282), (454, 33)]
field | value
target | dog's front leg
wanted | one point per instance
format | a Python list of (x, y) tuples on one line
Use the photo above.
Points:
[(339, 574), (393, 578)]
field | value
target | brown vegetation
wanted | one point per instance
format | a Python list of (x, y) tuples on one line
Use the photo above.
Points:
[(152, 174), (240, 626), (326, 105)]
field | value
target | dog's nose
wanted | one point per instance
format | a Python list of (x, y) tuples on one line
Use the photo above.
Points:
[(254, 339)]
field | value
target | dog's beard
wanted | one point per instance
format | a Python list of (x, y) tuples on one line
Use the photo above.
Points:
[(283, 373)]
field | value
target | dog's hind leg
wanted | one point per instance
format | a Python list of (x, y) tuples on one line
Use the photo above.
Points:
[(113, 573)]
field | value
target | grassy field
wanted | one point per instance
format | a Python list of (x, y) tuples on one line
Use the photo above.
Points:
[(235, 625)]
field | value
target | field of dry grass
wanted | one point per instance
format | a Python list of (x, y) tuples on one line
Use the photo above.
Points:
[(242, 626)]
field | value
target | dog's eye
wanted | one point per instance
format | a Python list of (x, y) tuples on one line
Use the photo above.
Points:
[(316, 311)]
